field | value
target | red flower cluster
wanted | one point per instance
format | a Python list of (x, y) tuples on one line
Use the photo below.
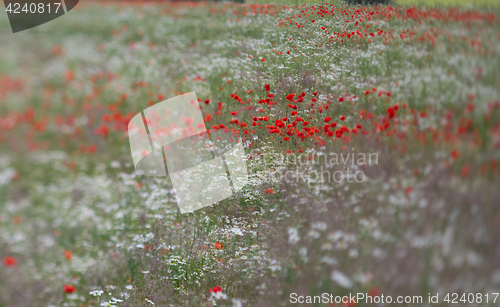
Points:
[(215, 289)]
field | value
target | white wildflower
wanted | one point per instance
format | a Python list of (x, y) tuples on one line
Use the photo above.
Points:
[(341, 279), (236, 231), (96, 292), (293, 235)]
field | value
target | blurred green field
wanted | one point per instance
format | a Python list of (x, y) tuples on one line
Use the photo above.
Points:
[(417, 88)]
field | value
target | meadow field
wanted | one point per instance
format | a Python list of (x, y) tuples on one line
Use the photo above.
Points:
[(372, 141)]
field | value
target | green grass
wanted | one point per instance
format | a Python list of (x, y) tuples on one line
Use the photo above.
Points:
[(421, 93)]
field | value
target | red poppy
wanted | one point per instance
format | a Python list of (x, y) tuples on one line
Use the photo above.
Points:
[(327, 119), (267, 87), (374, 291), (391, 112), (216, 289), (342, 117), (9, 261), (68, 75), (69, 288), (57, 50), (102, 130), (68, 255), (219, 245), (465, 170)]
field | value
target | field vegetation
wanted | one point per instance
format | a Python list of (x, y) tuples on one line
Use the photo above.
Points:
[(416, 87)]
